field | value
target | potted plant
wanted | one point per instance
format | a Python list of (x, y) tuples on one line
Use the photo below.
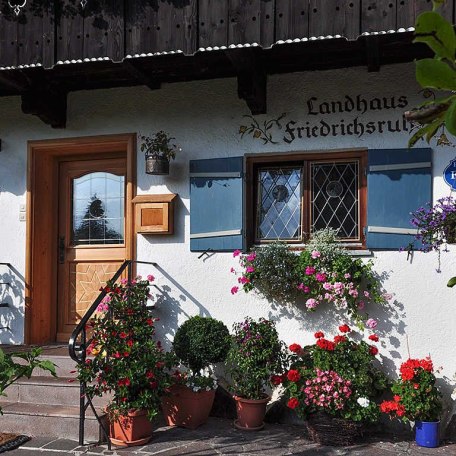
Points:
[(198, 344), (333, 384), (126, 361), (255, 355), (417, 399), (158, 152)]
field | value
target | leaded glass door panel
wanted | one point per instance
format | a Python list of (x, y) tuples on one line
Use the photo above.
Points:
[(91, 244)]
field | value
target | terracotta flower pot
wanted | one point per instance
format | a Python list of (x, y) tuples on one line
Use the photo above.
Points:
[(250, 413), (185, 408), (130, 430)]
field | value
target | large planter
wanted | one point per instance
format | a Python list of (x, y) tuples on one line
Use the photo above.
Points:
[(132, 429), (250, 413), (157, 166), (327, 430), (185, 408), (427, 433)]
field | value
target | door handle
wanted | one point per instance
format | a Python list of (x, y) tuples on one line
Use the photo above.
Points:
[(62, 249)]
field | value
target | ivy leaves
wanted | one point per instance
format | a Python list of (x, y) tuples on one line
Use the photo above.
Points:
[(438, 73)]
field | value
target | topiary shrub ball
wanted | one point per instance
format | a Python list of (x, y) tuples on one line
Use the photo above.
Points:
[(201, 341)]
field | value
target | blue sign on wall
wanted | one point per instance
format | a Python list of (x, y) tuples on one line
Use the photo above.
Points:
[(449, 174)]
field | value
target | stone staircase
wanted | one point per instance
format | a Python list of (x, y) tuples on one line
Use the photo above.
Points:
[(48, 406)]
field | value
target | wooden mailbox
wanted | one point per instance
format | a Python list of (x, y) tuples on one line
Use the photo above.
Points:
[(154, 214)]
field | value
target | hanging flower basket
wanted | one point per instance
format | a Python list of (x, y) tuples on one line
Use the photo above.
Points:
[(158, 151), (326, 430), (157, 166)]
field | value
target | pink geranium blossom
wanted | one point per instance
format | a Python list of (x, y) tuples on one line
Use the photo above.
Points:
[(371, 323), (315, 254), (236, 253), (234, 290)]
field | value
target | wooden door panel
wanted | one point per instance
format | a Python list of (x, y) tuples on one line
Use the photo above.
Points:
[(86, 263)]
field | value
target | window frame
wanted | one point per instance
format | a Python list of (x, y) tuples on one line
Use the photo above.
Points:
[(304, 158)]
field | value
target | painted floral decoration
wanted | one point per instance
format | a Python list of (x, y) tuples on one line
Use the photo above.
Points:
[(416, 397), (335, 376), (123, 357)]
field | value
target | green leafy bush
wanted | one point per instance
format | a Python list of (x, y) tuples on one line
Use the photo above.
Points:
[(255, 355), (11, 371), (334, 376), (201, 341)]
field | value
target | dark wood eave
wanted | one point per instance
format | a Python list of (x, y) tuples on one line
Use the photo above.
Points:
[(250, 66)]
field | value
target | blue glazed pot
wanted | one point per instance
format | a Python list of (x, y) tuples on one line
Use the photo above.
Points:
[(427, 433)]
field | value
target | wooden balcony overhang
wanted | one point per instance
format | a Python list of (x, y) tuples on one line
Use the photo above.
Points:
[(118, 43)]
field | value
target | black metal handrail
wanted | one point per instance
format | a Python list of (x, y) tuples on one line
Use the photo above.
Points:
[(78, 352)]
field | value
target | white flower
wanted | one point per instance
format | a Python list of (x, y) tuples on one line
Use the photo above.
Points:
[(363, 401)]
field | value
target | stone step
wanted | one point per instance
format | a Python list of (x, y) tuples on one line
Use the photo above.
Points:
[(47, 420), (50, 391), (65, 366)]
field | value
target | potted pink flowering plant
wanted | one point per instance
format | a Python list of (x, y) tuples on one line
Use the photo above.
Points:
[(334, 385)]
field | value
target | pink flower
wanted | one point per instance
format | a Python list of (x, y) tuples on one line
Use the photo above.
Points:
[(347, 275), (361, 305), (315, 254), (366, 294), (310, 270), (250, 269), (353, 293), (234, 290), (387, 296), (311, 303), (371, 323), (321, 277), (243, 280), (303, 288), (236, 253), (150, 278), (232, 270), (251, 257), (327, 286)]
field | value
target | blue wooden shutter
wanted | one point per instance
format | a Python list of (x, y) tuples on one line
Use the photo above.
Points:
[(399, 181), (216, 204)]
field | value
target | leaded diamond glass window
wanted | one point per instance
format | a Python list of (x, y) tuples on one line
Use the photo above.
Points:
[(335, 198), (279, 204)]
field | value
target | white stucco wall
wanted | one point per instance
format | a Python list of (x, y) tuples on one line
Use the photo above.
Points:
[(205, 118)]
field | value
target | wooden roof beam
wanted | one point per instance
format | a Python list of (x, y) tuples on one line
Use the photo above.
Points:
[(251, 78), (48, 103)]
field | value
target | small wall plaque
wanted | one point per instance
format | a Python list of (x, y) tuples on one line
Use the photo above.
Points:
[(154, 214)]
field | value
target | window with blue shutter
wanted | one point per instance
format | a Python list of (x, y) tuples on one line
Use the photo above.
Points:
[(216, 204), (398, 182)]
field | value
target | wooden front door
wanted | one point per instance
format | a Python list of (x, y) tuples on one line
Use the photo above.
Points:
[(92, 243)]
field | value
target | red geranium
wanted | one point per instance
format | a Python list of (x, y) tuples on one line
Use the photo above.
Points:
[(344, 328), (277, 379), (326, 344), (319, 335), (373, 337), (295, 348), (292, 403), (339, 339), (293, 375), (373, 350)]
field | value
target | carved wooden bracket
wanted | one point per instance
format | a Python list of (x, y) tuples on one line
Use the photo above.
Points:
[(251, 77), (48, 103), (141, 75), (373, 54)]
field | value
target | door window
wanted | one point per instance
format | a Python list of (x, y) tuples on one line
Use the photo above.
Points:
[(98, 201)]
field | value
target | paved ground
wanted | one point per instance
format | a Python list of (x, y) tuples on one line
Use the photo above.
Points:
[(219, 437)]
